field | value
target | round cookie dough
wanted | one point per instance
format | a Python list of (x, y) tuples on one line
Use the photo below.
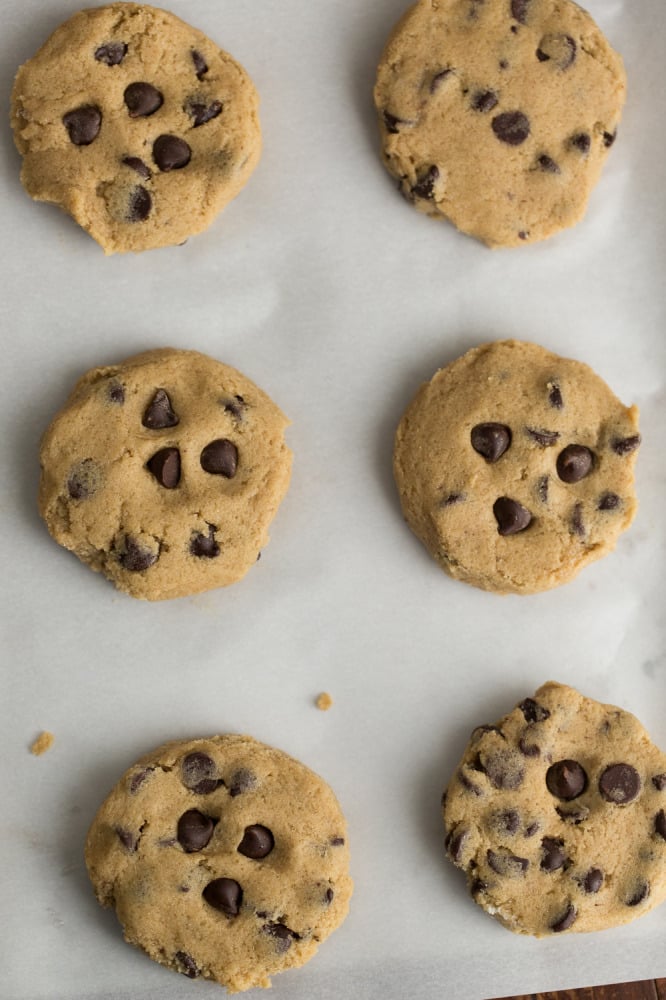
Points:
[(223, 858), (164, 473), (557, 816), (136, 124), (515, 467), (499, 114)]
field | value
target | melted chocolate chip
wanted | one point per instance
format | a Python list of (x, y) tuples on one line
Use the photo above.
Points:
[(547, 164), (200, 64), (138, 165), (491, 440), (608, 501), (504, 768), (507, 864), (542, 437), (142, 99), (581, 141), (519, 9), (220, 458), (564, 922), (593, 880), (194, 831), (202, 113), (111, 53), (609, 138), (171, 153), (138, 779), (566, 779), (484, 100), (511, 516), (533, 711), (641, 892), (225, 895), (84, 480), (159, 413), (205, 546), (620, 783), (165, 466), (624, 446), (660, 824), (425, 185), (553, 857), (199, 773), (83, 124), (512, 127), (542, 489), (577, 524), (187, 965), (135, 557), (242, 780), (139, 204), (555, 396), (574, 463), (257, 842), (561, 49)]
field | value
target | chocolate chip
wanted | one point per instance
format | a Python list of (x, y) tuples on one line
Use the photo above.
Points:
[(187, 964), (574, 463), (138, 779), (83, 124), (547, 164), (528, 749), (453, 498), (542, 437), (533, 711), (194, 831), (480, 731), (393, 123), (257, 842), (641, 892), (519, 10), (553, 857), (281, 933), (478, 886), (522, 235), (580, 141), (165, 466), (111, 53), (484, 100), (200, 64), (467, 783), (620, 783), (609, 138), (337, 841), (205, 546), (425, 185), (532, 829), (84, 480), (199, 773), (329, 896), (137, 164), (235, 406), (660, 824), (142, 99), (577, 525), (220, 458), (491, 440), (438, 79), (117, 393), (511, 516), (139, 204), (608, 501), (129, 840), (503, 64), (564, 922), (159, 413), (202, 113), (566, 779), (512, 127), (659, 782), (575, 814), (242, 780), (593, 880), (225, 895), (560, 48), (504, 768), (509, 821), (542, 489), (555, 396), (455, 843), (624, 446), (135, 557), (507, 864), (171, 153)]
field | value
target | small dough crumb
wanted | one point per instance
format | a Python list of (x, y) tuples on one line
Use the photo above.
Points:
[(324, 701), (43, 743)]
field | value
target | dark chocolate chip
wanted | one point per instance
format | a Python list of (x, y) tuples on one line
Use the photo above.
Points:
[(620, 783), (137, 164), (455, 843), (608, 501), (129, 840), (200, 64), (257, 842), (139, 204), (225, 895), (575, 814), (511, 516), (467, 783), (328, 897), (205, 546), (438, 79), (553, 857), (220, 458), (659, 782), (555, 396), (577, 524), (484, 100), (142, 99), (138, 779), (111, 53), (491, 440), (624, 446), (507, 864), (533, 711), (84, 480), (566, 779), (283, 934), (235, 406), (564, 922), (519, 10), (135, 557), (660, 824), (480, 731), (159, 413), (83, 124), (194, 831), (186, 965), (609, 138), (593, 880), (199, 773), (542, 437), (529, 749), (547, 164), (117, 393), (242, 780), (425, 185), (523, 235), (542, 489), (336, 841), (453, 498), (509, 821), (581, 141), (561, 49), (574, 463), (202, 113), (641, 892), (165, 466), (393, 123), (171, 153), (478, 886), (532, 829), (512, 127)]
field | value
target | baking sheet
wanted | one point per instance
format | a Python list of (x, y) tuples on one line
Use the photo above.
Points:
[(324, 287)]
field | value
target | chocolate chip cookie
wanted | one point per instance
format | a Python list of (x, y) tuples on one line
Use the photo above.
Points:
[(499, 114), (515, 467), (557, 816), (164, 473), (136, 124), (223, 858)]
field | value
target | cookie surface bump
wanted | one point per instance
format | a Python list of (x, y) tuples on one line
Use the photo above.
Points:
[(556, 814), (515, 467), (498, 114), (164, 473), (223, 858), (136, 124)]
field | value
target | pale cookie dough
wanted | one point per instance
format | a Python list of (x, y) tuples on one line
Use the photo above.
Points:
[(515, 467), (136, 124), (557, 815), (164, 473), (223, 858), (499, 115)]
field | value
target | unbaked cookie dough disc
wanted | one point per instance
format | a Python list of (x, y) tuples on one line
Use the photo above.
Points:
[(515, 467), (557, 814), (164, 473), (136, 124), (223, 858), (499, 114)]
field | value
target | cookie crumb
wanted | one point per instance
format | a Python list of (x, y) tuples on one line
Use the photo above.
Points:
[(43, 743), (324, 701)]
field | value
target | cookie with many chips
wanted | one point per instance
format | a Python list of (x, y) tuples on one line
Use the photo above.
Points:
[(136, 124), (164, 473), (223, 858), (557, 814)]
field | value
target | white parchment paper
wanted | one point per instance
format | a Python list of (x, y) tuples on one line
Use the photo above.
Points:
[(322, 285)]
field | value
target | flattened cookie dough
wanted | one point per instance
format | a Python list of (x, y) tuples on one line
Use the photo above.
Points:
[(136, 124), (557, 816), (164, 473), (515, 467), (499, 114), (223, 858)]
